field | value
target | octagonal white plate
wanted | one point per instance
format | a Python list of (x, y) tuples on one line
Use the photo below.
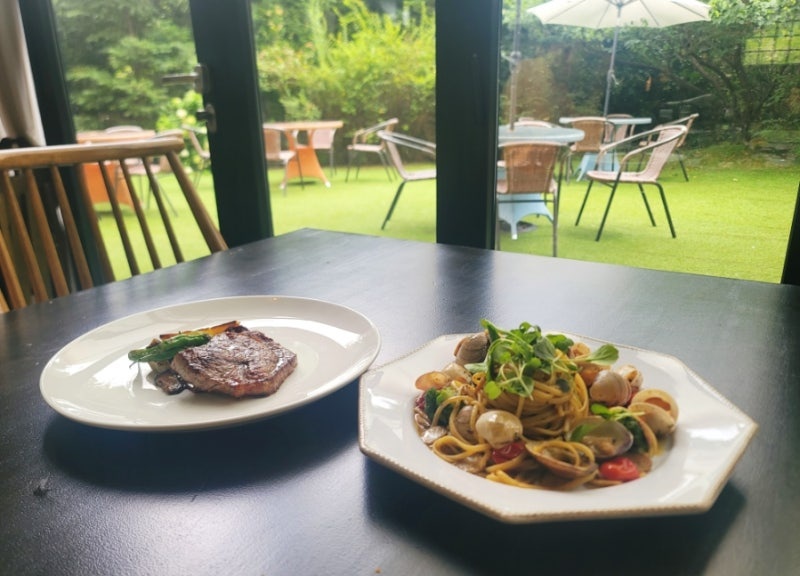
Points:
[(711, 436), (92, 381)]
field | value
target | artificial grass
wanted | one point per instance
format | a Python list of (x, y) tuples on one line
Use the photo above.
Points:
[(732, 219)]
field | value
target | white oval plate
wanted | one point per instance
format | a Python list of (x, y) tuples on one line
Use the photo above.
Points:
[(711, 436), (92, 381)]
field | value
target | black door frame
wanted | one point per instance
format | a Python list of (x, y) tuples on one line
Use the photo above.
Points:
[(467, 60)]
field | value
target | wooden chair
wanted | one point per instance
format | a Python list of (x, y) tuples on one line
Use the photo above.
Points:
[(366, 141), (531, 182), (662, 142), (394, 143), (47, 240)]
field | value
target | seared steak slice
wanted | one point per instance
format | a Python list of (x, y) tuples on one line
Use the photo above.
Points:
[(238, 362)]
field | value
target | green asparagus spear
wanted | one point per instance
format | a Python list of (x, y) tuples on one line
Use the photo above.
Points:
[(166, 349)]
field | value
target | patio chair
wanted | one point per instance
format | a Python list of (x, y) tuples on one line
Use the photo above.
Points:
[(276, 154), (366, 141), (662, 142), (615, 132), (686, 121), (202, 153), (396, 142), (531, 182), (44, 254), (322, 139), (594, 129)]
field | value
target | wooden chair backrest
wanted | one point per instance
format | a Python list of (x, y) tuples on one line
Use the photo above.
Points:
[(45, 252)]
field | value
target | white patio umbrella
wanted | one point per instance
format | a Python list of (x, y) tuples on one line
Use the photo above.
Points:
[(616, 14)]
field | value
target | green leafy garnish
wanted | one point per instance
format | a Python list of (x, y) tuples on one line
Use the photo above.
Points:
[(604, 355), (515, 356)]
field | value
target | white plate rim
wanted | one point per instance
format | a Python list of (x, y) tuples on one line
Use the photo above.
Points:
[(358, 355), (467, 489)]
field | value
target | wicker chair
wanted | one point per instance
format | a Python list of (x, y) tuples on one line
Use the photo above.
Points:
[(323, 139), (686, 121), (277, 154), (594, 129), (45, 253), (661, 142), (532, 181)]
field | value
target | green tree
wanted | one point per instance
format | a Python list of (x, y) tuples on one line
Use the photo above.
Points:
[(116, 53)]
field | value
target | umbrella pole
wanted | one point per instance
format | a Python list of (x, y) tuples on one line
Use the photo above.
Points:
[(515, 58), (610, 74)]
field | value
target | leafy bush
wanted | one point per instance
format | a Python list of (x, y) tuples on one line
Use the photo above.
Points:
[(372, 69)]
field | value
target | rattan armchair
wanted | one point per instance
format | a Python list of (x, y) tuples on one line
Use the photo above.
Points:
[(532, 180), (650, 157)]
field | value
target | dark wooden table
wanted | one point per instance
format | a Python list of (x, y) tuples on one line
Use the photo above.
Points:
[(294, 495)]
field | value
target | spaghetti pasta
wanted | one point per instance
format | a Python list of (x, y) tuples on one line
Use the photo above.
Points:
[(525, 415)]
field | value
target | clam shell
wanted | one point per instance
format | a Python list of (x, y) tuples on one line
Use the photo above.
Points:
[(659, 420), (632, 374), (610, 388), (472, 349), (606, 438), (559, 467), (659, 398)]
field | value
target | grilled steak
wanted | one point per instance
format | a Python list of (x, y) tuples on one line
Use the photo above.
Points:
[(238, 362)]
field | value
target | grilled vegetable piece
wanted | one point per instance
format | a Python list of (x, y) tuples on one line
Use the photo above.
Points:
[(171, 344), (166, 349)]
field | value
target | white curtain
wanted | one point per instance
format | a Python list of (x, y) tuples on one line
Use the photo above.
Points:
[(19, 110)]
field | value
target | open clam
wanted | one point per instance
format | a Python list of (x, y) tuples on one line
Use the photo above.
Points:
[(605, 438), (632, 375), (658, 398), (564, 459), (659, 420)]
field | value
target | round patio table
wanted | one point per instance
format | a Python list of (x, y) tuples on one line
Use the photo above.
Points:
[(539, 134)]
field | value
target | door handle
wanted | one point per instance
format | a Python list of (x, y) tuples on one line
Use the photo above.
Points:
[(199, 78), (209, 116)]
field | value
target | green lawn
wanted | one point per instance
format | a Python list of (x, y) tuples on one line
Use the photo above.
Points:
[(732, 218)]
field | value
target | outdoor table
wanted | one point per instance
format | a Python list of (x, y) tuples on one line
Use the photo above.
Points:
[(91, 172), (305, 162), (538, 134), (615, 120), (294, 494)]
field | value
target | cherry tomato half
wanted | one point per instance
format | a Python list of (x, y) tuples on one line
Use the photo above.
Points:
[(507, 452), (620, 468)]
